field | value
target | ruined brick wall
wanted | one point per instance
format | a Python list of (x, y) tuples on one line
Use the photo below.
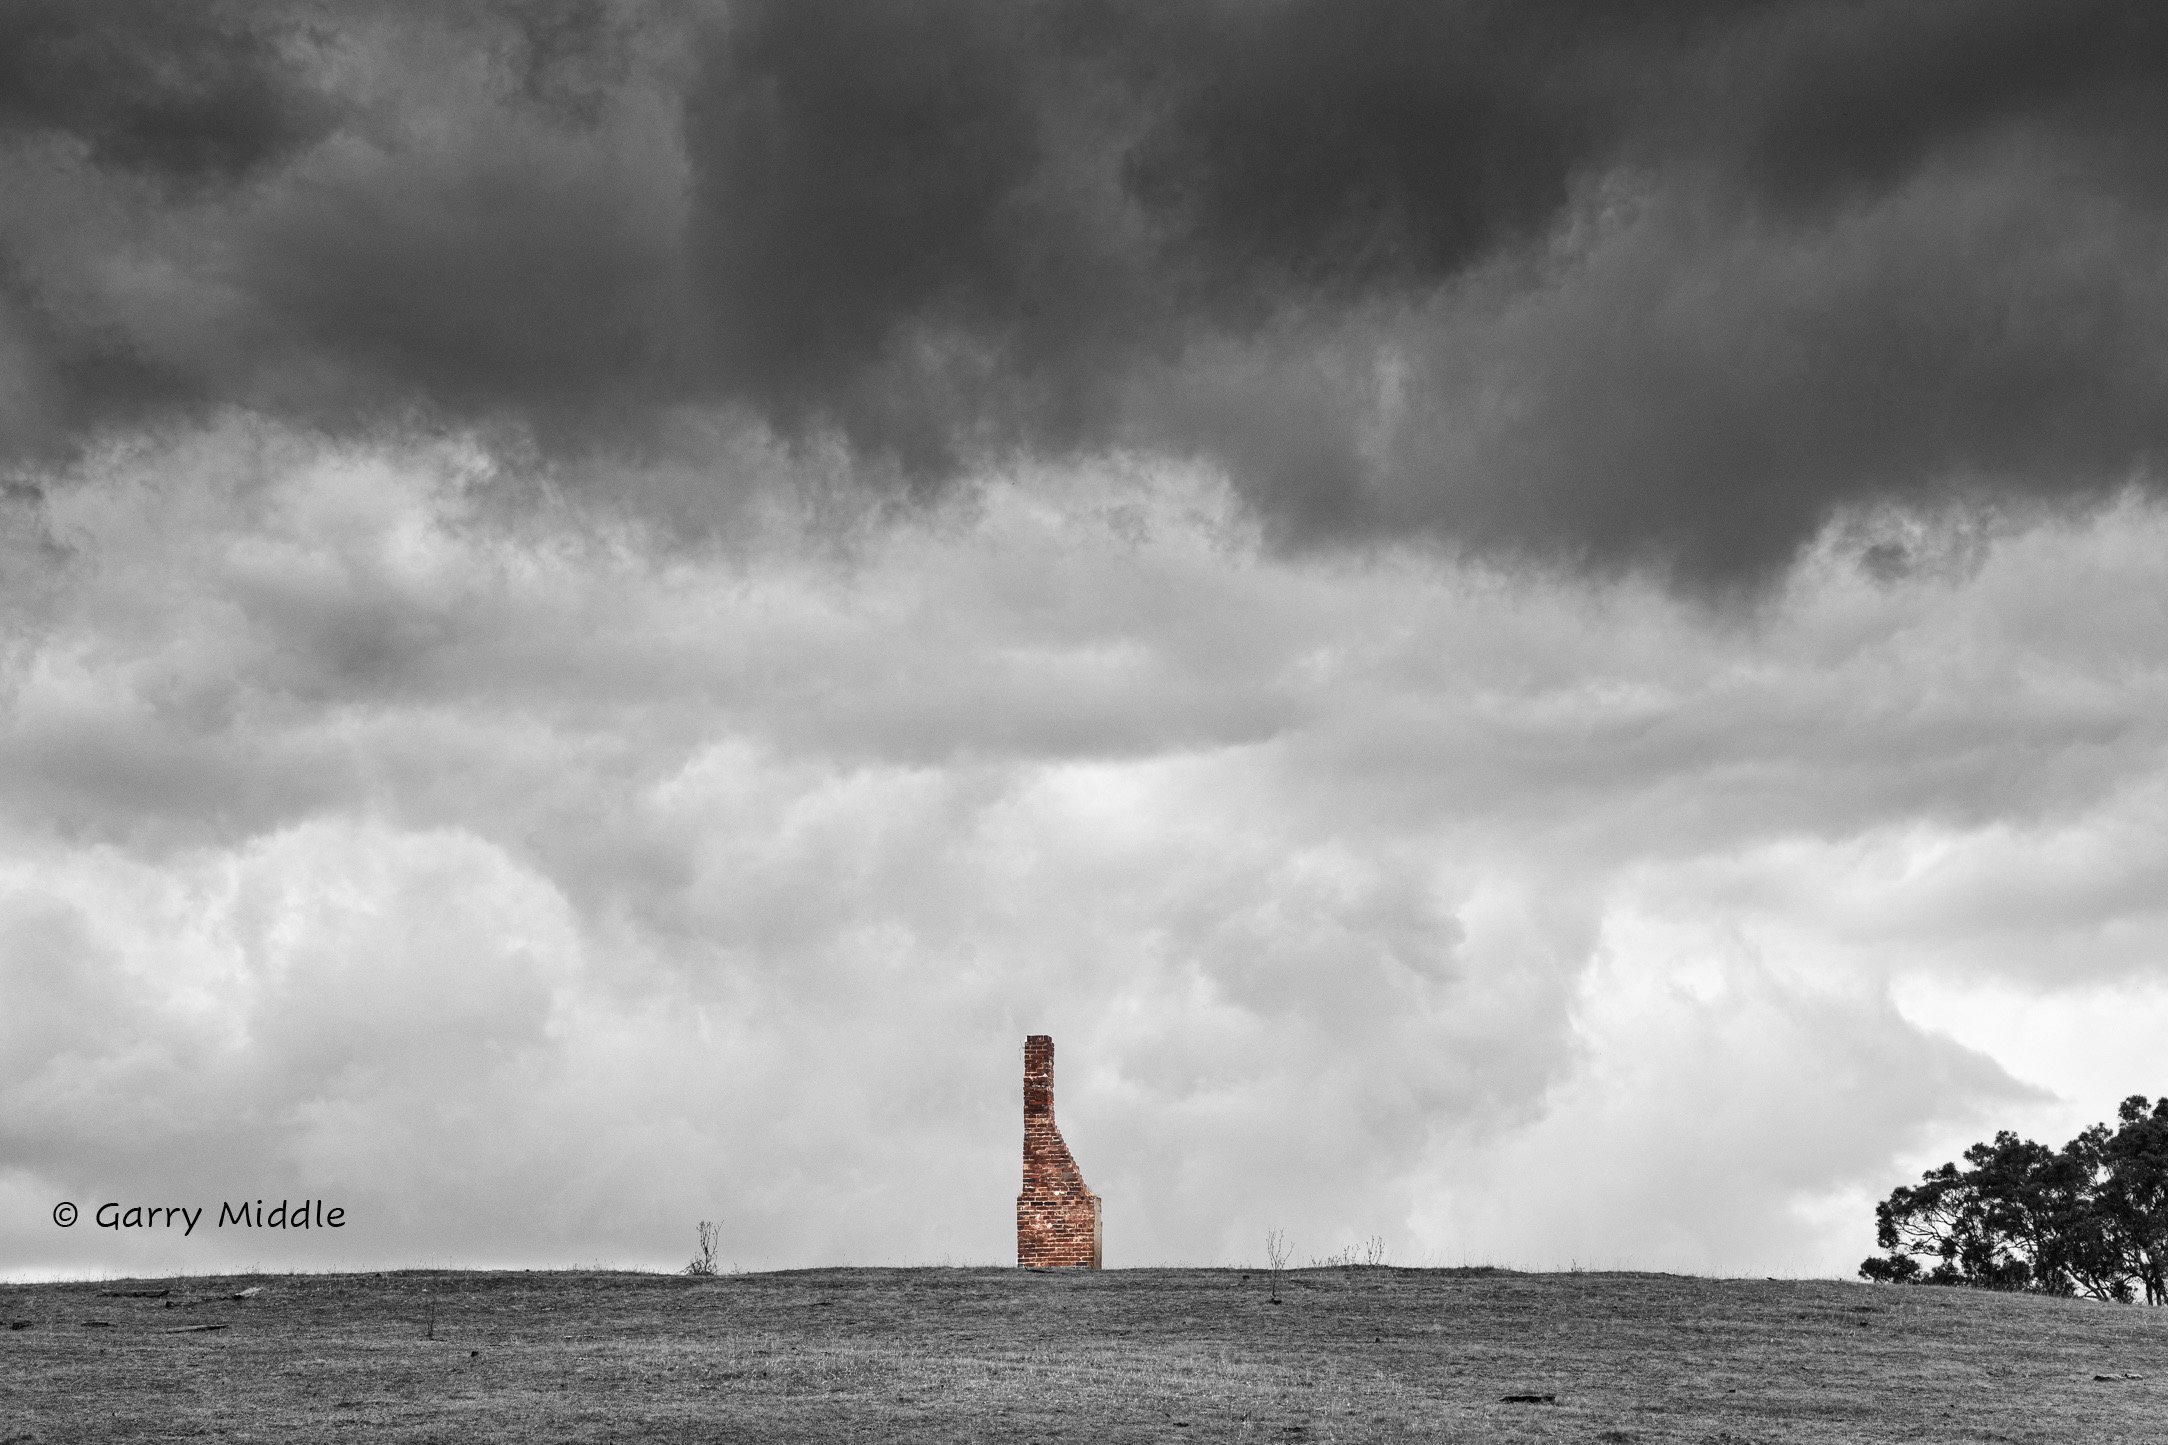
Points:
[(1057, 1217)]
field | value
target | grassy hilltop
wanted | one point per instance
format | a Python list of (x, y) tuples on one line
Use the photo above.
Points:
[(995, 1354)]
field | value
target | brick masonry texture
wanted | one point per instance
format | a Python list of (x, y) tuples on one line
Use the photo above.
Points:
[(1057, 1216)]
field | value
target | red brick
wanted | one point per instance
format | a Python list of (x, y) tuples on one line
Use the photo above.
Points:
[(1057, 1216)]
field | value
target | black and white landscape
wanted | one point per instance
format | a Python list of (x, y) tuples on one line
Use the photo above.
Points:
[(1536, 630)]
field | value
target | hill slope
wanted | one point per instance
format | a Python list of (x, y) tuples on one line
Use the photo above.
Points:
[(942, 1354)]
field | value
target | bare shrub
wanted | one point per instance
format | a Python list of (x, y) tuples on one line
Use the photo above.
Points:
[(703, 1263), (1370, 1254), (1276, 1257)]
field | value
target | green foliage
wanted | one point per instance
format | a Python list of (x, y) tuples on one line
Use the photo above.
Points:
[(2088, 1219)]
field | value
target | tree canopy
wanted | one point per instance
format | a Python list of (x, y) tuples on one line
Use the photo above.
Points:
[(2089, 1219)]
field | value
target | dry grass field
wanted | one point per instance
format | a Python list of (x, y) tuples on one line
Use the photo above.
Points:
[(991, 1354)]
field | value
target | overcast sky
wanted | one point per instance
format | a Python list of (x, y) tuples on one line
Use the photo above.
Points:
[(1536, 629)]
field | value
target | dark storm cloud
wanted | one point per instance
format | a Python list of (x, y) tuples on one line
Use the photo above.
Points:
[(186, 91), (184, 97), (1843, 97), (1621, 282), (948, 223)]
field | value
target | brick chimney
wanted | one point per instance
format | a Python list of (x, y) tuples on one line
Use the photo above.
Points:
[(1057, 1216)]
